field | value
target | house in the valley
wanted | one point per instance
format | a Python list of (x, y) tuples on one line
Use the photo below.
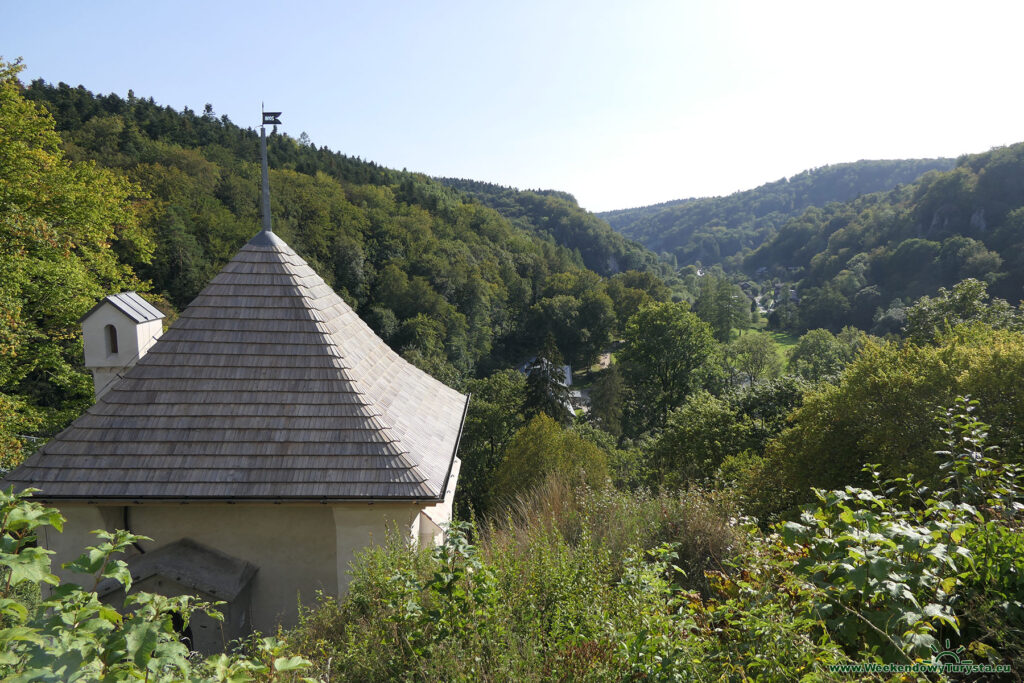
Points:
[(261, 441)]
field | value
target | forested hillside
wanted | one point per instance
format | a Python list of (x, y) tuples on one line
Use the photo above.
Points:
[(557, 215), (448, 282), (863, 262), (722, 229)]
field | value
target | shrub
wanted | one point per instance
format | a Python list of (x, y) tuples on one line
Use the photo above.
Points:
[(883, 411), (541, 448), (580, 584), (901, 566), (72, 636)]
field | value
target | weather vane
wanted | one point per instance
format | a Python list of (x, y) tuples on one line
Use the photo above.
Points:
[(270, 118)]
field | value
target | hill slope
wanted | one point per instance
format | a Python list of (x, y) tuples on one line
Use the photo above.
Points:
[(720, 229), (557, 215), (854, 260), (448, 282)]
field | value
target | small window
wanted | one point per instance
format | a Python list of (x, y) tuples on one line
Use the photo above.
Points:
[(111, 340)]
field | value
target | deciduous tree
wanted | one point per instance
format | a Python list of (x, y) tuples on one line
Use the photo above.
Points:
[(666, 348)]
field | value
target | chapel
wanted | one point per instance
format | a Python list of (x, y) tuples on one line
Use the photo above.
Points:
[(261, 441)]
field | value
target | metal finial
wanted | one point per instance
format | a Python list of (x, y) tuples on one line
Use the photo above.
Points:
[(269, 117)]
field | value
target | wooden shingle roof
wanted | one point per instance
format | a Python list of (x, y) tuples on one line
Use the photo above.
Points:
[(268, 386)]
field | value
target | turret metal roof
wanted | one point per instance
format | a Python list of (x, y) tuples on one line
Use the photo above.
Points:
[(131, 304)]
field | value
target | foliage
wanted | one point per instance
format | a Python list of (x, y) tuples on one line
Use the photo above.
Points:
[(966, 303), (580, 584), (542, 447), (546, 392), (721, 439), (574, 584), (854, 260), (58, 221), (576, 314), (72, 636), (821, 355), (602, 585), (722, 305), (663, 360), (453, 285), (767, 406), (696, 439), (753, 357), (494, 416), (632, 290), (721, 229), (558, 216), (894, 566), (606, 399), (881, 410)]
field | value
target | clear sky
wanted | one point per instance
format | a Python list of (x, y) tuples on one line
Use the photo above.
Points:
[(621, 103)]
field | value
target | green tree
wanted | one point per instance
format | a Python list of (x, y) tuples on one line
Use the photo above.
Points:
[(557, 318), (663, 360), (58, 221), (722, 305), (494, 415), (818, 354), (967, 302), (696, 439), (766, 406), (542, 448), (882, 411), (546, 391), (606, 398), (597, 321), (753, 357), (823, 307)]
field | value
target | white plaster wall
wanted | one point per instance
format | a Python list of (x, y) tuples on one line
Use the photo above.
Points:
[(429, 533), (95, 339), (67, 546), (147, 333), (292, 545), (133, 340), (358, 525), (298, 548), (441, 513), (103, 379)]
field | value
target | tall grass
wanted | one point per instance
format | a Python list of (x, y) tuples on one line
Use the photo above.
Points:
[(701, 525), (567, 584)]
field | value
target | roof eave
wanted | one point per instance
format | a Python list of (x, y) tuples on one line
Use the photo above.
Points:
[(455, 451), (183, 500)]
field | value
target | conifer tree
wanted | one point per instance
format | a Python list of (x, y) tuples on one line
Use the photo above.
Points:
[(546, 391)]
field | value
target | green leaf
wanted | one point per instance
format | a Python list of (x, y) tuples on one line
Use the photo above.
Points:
[(20, 633), (792, 531), (32, 515), (13, 611), (88, 562), (141, 639), (31, 564), (919, 641), (290, 663)]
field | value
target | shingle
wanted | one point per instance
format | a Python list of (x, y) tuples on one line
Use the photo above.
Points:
[(267, 387)]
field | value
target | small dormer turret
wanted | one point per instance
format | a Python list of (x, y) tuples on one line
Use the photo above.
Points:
[(117, 332)]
